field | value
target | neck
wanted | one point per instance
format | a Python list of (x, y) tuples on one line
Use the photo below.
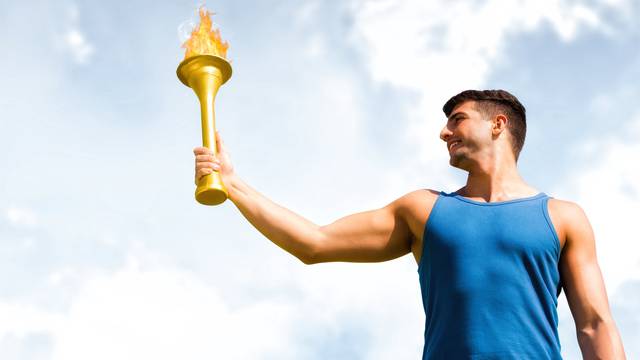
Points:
[(496, 180)]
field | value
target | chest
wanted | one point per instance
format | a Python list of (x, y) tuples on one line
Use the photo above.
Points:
[(471, 232)]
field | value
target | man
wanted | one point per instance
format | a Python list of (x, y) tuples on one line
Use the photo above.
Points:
[(492, 257)]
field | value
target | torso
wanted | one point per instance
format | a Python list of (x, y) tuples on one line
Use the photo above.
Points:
[(421, 203)]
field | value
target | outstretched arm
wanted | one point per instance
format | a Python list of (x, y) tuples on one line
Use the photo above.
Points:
[(369, 236), (582, 280)]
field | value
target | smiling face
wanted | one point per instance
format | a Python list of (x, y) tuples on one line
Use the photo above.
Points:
[(469, 136)]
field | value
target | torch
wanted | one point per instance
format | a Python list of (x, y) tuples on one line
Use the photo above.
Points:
[(204, 70)]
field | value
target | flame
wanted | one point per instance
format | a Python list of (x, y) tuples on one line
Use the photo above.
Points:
[(204, 40)]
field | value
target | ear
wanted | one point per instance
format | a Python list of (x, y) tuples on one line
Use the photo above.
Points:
[(499, 124)]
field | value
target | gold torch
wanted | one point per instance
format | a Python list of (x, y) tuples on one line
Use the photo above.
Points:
[(204, 69)]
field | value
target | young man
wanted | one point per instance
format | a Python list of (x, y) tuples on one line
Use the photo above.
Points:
[(492, 257)]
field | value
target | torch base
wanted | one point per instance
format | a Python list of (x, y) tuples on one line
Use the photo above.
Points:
[(211, 190)]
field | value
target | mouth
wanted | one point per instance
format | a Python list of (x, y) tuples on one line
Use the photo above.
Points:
[(454, 144)]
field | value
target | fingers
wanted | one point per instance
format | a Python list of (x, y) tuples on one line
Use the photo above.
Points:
[(203, 172), (201, 150), (208, 165), (207, 161), (204, 154), (206, 168), (208, 157)]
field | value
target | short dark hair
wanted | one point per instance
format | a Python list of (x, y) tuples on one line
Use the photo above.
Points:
[(491, 103)]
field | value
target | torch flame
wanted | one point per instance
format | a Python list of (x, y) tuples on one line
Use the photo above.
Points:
[(204, 40)]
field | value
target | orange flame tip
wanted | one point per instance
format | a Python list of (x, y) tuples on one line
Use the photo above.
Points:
[(204, 40)]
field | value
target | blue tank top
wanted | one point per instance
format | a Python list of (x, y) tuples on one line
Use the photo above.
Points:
[(489, 280)]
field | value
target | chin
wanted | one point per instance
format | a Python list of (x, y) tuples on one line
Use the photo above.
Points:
[(459, 162)]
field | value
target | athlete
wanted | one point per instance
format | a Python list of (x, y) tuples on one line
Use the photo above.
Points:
[(492, 256)]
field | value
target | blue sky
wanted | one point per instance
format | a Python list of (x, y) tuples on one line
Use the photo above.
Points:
[(333, 108)]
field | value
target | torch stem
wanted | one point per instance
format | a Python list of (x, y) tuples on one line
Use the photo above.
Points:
[(207, 113)]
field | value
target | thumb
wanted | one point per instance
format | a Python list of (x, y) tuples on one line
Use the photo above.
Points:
[(221, 147)]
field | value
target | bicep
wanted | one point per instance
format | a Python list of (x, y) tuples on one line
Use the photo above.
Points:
[(581, 275), (369, 236)]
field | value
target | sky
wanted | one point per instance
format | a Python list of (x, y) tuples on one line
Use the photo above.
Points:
[(334, 107)]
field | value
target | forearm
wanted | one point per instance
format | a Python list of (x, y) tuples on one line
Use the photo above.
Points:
[(283, 227), (601, 340)]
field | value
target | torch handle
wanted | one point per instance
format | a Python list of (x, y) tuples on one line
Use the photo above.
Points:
[(210, 189)]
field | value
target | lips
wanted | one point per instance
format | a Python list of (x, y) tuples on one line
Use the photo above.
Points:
[(454, 143)]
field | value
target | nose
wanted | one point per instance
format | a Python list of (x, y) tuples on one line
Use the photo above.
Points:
[(445, 133)]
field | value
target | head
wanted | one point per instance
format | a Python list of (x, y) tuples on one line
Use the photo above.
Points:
[(485, 123)]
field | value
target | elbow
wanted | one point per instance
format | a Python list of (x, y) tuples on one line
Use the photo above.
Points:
[(587, 330), (591, 327), (307, 260), (598, 337), (600, 331), (311, 254), (310, 257)]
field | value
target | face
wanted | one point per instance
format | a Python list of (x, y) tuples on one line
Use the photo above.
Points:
[(468, 136)]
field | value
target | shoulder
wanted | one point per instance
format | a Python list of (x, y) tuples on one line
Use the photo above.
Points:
[(569, 219), (417, 198), (414, 203), (567, 211), (415, 207)]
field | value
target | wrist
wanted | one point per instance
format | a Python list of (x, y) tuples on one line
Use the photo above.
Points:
[(231, 183)]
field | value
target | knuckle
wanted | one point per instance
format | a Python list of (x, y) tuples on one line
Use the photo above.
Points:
[(204, 165)]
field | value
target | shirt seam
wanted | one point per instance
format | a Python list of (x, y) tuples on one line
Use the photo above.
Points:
[(426, 228), (498, 203), (545, 212)]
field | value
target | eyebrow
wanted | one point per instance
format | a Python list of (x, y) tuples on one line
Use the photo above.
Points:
[(456, 114)]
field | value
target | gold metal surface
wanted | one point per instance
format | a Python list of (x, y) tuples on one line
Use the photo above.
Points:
[(205, 74)]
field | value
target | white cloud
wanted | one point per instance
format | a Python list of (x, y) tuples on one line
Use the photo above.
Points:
[(437, 45), (60, 276), (78, 45), (316, 46), (624, 305), (20, 320), (306, 13), (74, 40), (383, 298), (21, 216), (161, 312), (166, 314)]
